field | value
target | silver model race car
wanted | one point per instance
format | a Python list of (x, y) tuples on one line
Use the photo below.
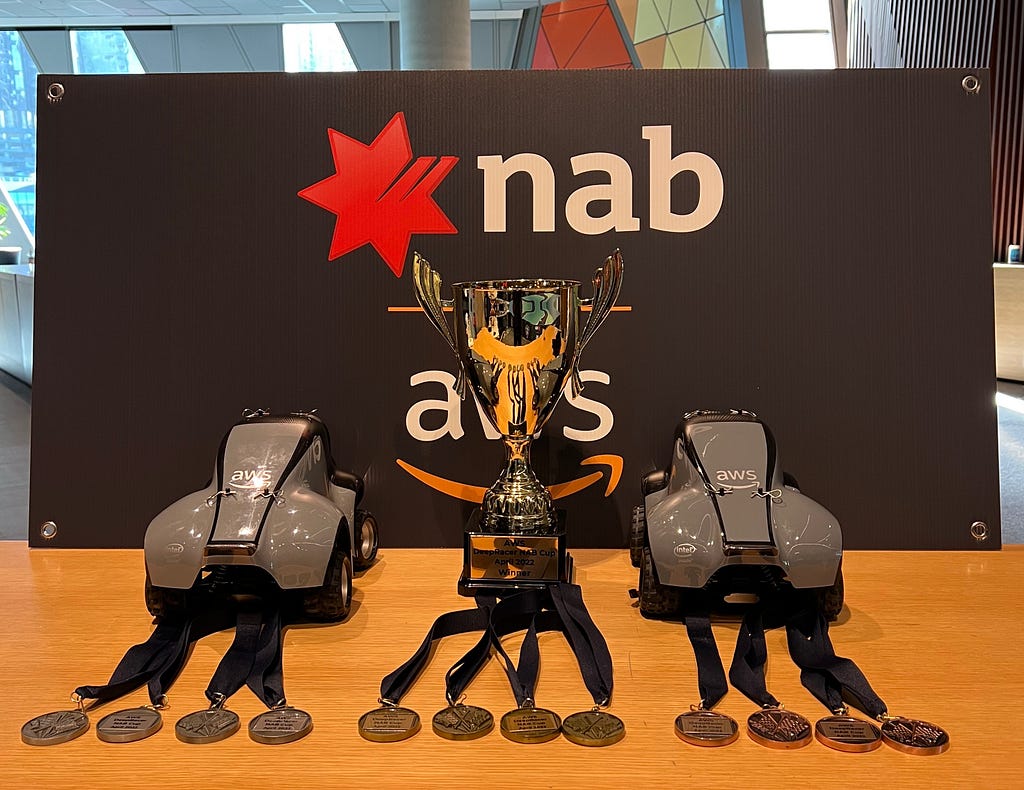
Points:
[(724, 520), (276, 513)]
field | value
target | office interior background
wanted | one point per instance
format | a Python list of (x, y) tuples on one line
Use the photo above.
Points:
[(137, 37)]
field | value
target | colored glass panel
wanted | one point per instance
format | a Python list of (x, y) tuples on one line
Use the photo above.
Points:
[(652, 53), (713, 8), (543, 57), (627, 10), (686, 44), (684, 13), (566, 31), (602, 47), (648, 22), (717, 27), (709, 58)]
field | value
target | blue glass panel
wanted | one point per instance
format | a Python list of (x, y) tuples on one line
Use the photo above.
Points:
[(103, 52), (18, 125)]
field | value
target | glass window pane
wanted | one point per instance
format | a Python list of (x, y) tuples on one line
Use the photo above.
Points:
[(103, 52), (18, 125), (315, 47), (800, 51), (797, 15)]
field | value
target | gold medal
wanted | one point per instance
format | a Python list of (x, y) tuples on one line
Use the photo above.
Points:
[(913, 736), (50, 729), (531, 725), (593, 728), (462, 722), (778, 728), (707, 728), (847, 734), (128, 726), (388, 724)]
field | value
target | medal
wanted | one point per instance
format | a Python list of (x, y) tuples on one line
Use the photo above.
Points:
[(128, 726), (60, 726), (706, 728), (913, 736), (531, 725), (847, 734), (593, 728), (280, 725), (778, 728), (207, 726), (462, 722), (389, 724)]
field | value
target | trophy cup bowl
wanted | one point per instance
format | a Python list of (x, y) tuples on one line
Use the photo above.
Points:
[(518, 343)]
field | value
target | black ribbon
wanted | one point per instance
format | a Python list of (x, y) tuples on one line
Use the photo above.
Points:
[(266, 677), (586, 640), (234, 668), (830, 678), (747, 670), (711, 680)]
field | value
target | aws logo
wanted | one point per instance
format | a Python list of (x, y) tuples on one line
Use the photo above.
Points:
[(735, 476), (258, 478), (449, 409), (382, 195)]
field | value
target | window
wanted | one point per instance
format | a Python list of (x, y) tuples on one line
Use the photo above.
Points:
[(798, 34), (18, 125), (103, 52), (315, 47)]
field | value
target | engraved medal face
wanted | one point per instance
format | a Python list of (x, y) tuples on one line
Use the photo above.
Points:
[(207, 726), (707, 728), (389, 724), (593, 728), (777, 728), (463, 722), (531, 725), (914, 736), (847, 734), (127, 726), (50, 729), (280, 725)]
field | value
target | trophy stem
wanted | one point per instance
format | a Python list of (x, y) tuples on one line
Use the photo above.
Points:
[(518, 503)]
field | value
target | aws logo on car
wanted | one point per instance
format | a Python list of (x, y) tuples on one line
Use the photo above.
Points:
[(735, 477), (450, 410), (256, 478)]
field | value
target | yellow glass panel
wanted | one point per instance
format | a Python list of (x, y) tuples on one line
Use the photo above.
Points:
[(708, 53), (686, 45), (717, 28), (648, 22), (684, 13)]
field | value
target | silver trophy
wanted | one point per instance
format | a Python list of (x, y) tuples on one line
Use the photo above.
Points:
[(518, 343)]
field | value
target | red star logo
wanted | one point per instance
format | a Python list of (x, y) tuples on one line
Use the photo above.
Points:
[(378, 197)]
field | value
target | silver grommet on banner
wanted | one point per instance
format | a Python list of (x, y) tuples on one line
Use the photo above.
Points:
[(971, 84), (979, 531), (55, 92), (48, 530)]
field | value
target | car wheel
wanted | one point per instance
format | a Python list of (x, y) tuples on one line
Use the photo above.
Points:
[(637, 536), (656, 600), (366, 537), (831, 599), (164, 601), (333, 599)]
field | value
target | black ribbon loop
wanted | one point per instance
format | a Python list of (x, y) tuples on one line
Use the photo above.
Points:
[(234, 668), (711, 680), (747, 670)]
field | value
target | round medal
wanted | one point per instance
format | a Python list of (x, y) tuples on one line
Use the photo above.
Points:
[(707, 728), (463, 722), (50, 729), (531, 725), (914, 736), (593, 728), (280, 725), (778, 728), (207, 726), (389, 724), (848, 734), (128, 726)]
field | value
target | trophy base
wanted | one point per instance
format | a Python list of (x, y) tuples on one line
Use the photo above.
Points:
[(501, 564)]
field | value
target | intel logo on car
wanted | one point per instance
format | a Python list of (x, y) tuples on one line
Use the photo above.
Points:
[(685, 550)]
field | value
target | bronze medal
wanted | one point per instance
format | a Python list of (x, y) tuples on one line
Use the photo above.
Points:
[(707, 728), (60, 726), (207, 726), (388, 724), (913, 736), (848, 734), (128, 726), (280, 725), (462, 722), (531, 725), (778, 728), (593, 728)]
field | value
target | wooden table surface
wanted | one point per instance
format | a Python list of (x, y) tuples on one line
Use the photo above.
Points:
[(936, 633)]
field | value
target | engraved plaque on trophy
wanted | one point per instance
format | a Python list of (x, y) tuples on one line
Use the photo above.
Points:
[(518, 344)]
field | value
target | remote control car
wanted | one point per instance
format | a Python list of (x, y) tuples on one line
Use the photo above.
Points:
[(276, 513), (724, 520)]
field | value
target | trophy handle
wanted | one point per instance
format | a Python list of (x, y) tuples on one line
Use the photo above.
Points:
[(607, 284), (427, 284)]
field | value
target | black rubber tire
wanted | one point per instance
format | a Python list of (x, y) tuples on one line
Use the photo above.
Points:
[(333, 599), (637, 536), (366, 540), (656, 600), (831, 599), (165, 601)]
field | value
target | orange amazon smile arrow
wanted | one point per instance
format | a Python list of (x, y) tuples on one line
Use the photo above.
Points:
[(472, 493)]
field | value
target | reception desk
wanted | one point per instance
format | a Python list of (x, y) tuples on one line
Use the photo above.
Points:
[(934, 631), (17, 290)]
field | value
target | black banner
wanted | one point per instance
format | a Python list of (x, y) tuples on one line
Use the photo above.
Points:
[(813, 246)]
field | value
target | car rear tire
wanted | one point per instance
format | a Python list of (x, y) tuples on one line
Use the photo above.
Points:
[(637, 536), (367, 540), (831, 599), (656, 600), (164, 601), (333, 599)]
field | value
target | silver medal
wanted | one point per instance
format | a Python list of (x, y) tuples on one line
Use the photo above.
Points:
[(60, 726), (706, 728), (130, 725), (280, 725), (207, 726)]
